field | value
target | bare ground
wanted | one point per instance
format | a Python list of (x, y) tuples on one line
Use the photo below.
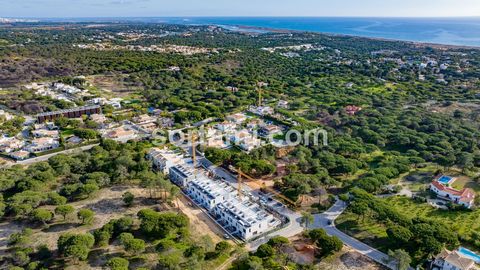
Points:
[(107, 204), (349, 259)]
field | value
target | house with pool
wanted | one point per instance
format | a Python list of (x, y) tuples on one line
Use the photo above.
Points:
[(442, 187), (452, 260)]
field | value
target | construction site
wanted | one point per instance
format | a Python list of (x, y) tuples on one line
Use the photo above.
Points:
[(235, 209)]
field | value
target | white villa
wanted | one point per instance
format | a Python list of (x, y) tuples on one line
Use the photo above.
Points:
[(237, 118), (240, 216), (452, 260), (10, 144), (42, 144), (441, 186)]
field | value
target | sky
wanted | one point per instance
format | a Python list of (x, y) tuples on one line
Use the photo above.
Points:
[(184, 8)]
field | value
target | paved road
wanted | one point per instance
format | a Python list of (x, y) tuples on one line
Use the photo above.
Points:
[(293, 228), (326, 220), (46, 157)]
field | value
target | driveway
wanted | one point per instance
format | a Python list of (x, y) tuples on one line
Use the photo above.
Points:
[(293, 228), (326, 220)]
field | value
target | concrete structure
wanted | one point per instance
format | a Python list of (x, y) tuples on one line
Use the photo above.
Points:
[(40, 133), (237, 118), (120, 134), (69, 113), (269, 130), (261, 110), (240, 216), (10, 144), (144, 119), (352, 109), (282, 104), (225, 126), (465, 197), (99, 119), (452, 260), (20, 155), (42, 144)]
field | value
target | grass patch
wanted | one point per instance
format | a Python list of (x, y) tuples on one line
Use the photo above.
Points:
[(462, 222), (67, 132), (369, 231), (465, 182)]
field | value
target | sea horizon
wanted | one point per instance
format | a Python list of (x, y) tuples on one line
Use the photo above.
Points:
[(455, 31)]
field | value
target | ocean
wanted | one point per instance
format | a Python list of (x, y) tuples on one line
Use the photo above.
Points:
[(449, 31)]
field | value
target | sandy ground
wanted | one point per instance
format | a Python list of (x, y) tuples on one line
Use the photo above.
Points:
[(348, 259), (107, 204), (199, 221)]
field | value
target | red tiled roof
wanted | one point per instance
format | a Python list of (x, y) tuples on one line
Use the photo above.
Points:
[(465, 194)]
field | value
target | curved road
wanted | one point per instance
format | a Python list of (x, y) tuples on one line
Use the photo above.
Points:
[(326, 220)]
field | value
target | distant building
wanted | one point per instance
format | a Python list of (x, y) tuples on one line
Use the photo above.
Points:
[(42, 145), (10, 144), (237, 118), (74, 140), (5, 115), (174, 68), (69, 113), (452, 260), (99, 119), (120, 134), (20, 155), (262, 84), (269, 130), (282, 104), (40, 133), (261, 110), (250, 143), (225, 126), (231, 89), (441, 187), (352, 109), (166, 122), (144, 119)]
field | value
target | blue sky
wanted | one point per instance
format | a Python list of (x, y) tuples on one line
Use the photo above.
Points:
[(172, 8)]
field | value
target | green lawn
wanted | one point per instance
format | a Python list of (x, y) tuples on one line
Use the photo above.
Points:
[(364, 229), (67, 132), (466, 182)]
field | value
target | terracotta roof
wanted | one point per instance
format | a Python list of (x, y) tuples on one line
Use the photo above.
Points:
[(466, 194), (454, 258)]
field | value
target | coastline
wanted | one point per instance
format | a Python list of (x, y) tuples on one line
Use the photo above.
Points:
[(256, 30)]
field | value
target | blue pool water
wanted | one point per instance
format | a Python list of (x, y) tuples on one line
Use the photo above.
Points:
[(445, 180), (469, 254)]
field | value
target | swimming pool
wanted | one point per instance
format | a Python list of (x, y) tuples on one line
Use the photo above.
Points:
[(445, 179), (469, 254)]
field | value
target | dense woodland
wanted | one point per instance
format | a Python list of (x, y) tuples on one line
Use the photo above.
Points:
[(405, 122)]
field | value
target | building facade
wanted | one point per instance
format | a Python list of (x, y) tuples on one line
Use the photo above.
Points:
[(69, 113)]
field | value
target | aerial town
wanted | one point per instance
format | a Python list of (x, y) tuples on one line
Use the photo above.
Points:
[(146, 145)]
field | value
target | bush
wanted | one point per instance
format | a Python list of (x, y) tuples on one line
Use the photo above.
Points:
[(118, 263), (85, 215), (128, 198), (64, 210)]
